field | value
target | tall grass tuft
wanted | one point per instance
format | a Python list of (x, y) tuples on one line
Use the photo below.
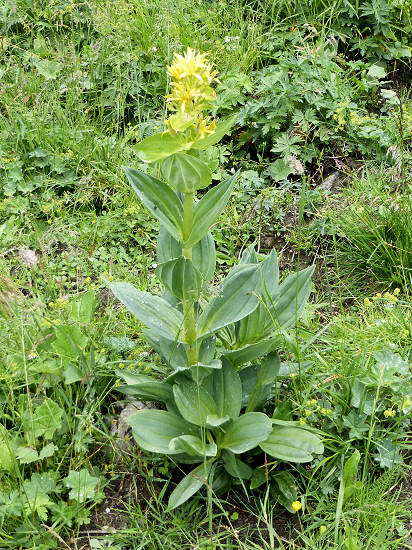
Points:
[(374, 250)]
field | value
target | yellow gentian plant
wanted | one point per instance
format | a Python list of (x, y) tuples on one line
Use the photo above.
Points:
[(220, 343)]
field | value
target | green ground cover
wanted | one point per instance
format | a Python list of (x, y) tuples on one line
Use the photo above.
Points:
[(322, 143)]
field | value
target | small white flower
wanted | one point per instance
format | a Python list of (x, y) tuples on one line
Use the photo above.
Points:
[(107, 510), (154, 49), (32, 355), (227, 39)]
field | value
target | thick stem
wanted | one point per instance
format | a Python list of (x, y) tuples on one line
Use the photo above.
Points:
[(188, 306)]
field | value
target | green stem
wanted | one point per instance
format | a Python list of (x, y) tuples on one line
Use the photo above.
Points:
[(188, 306)]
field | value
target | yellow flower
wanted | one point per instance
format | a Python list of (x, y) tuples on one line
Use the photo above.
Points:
[(296, 505), (322, 529), (190, 87), (192, 65)]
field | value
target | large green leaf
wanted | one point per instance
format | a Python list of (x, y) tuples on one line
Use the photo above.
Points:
[(195, 404), (235, 467), (172, 352), (145, 388), (151, 310), (209, 208), (203, 253), (246, 432), (289, 300), (292, 444), (221, 481), (181, 278), (225, 386), (222, 128), (265, 378), (252, 351), (190, 484), (238, 296), (156, 148), (154, 430), (159, 199), (269, 267), (193, 446), (253, 327), (185, 173), (257, 379)]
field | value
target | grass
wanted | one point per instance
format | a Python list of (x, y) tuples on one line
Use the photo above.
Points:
[(81, 84)]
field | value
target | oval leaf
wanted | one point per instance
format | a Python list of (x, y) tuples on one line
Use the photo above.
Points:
[(151, 310), (190, 485), (154, 430), (225, 386), (194, 403), (156, 148), (203, 253), (209, 208), (252, 351), (185, 173), (239, 296), (292, 444), (193, 446), (181, 278), (159, 199), (246, 432)]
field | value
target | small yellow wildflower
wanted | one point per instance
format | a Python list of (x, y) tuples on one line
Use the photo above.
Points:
[(407, 402), (302, 422), (296, 505), (62, 303), (389, 413), (397, 291), (322, 529), (367, 302)]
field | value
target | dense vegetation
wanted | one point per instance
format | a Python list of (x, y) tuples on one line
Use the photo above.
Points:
[(322, 142)]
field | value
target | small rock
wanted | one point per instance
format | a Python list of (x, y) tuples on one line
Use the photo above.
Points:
[(121, 429), (27, 257)]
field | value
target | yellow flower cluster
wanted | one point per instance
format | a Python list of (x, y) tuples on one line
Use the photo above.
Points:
[(339, 117), (191, 90), (354, 118), (191, 79), (389, 413), (323, 411), (407, 403)]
